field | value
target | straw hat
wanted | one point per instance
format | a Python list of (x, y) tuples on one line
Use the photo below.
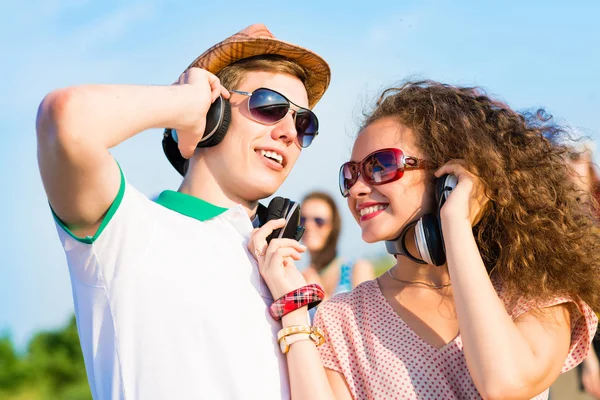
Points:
[(257, 40)]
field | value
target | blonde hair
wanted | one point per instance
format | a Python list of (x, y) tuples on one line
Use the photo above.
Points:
[(232, 75)]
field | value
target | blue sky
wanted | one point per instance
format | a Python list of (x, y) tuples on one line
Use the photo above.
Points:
[(530, 55)]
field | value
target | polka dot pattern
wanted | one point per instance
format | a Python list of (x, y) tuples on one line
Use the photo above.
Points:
[(383, 358)]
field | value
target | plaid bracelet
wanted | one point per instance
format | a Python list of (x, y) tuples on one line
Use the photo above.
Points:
[(310, 295)]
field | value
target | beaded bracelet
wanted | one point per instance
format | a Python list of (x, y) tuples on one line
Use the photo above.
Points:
[(309, 295)]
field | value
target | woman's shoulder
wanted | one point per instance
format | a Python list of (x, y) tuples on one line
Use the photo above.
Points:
[(584, 321), (360, 264), (516, 304), (352, 262)]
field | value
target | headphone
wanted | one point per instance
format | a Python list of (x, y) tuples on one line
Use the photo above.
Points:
[(428, 234), (280, 207), (218, 119)]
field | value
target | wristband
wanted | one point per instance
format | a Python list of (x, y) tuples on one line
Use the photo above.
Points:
[(309, 295)]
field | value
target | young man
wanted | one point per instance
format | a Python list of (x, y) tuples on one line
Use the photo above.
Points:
[(169, 303)]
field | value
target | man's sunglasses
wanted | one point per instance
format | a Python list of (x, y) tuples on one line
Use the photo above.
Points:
[(268, 107), (380, 167), (320, 222)]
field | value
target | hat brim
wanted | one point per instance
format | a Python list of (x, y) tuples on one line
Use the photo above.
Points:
[(227, 52)]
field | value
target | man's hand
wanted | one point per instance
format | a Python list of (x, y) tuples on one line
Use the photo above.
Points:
[(204, 89)]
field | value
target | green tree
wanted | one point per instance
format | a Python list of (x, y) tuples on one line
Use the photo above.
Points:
[(12, 373), (382, 263), (55, 358), (51, 368)]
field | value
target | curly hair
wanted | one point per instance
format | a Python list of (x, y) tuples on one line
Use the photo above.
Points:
[(535, 237)]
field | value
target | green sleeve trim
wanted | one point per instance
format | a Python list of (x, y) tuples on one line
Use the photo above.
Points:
[(109, 214)]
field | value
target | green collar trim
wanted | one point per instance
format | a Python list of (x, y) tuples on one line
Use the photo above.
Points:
[(189, 205)]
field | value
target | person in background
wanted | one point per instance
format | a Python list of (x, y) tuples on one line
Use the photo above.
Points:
[(585, 175), (322, 222)]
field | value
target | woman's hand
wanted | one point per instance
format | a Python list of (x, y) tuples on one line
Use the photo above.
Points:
[(276, 259), (467, 200)]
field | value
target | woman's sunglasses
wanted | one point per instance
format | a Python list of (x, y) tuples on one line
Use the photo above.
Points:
[(320, 222), (380, 167), (268, 107)]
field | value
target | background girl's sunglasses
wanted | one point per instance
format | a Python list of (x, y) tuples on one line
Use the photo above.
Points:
[(379, 167), (320, 222), (269, 107)]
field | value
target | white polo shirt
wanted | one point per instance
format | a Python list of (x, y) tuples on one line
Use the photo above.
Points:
[(170, 304)]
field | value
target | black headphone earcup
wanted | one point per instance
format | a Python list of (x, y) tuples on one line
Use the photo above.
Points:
[(276, 209), (443, 187), (292, 226), (398, 246), (171, 150), (218, 119), (429, 240)]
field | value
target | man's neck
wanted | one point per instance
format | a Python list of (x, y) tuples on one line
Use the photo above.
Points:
[(201, 184)]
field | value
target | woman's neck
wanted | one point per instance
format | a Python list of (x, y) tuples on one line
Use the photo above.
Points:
[(313, 255), (408, 270)]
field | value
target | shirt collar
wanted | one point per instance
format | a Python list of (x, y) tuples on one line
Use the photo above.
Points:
[(190, 206), (193, 207)]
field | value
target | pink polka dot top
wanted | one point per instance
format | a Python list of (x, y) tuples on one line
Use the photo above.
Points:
[(381, 357)]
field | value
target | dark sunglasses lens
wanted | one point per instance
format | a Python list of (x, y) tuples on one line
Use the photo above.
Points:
[(305, 139), (380, 167), (348, 178), (267, 106), (306, 122), (320, 222), (307, 126)]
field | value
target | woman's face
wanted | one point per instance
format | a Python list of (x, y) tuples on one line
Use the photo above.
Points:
[(382, 211), (316, 218), (582, 172)]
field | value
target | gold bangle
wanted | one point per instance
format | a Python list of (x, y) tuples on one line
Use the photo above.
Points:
[(312, 333), (287, 341), (317, 336), (290, 330)]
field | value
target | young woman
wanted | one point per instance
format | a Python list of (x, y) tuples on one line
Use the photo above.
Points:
[(322, 222), (510, 305)]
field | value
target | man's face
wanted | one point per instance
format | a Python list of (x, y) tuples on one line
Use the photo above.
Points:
[(245, 163)]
